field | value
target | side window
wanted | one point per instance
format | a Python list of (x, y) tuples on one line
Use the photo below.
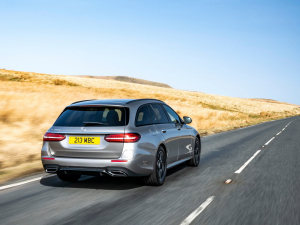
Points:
[(153, 116), (174, 118), (143, 116), (160, 114)]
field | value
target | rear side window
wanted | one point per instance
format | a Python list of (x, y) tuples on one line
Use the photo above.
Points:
[(153, 116), (174, 118), (160, 114), (93, 116), (143, 116)]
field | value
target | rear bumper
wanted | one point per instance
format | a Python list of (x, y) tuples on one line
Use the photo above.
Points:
[(134, 167), (111, 171)]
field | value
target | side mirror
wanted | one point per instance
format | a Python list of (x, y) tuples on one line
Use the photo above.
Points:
[(187, 119)]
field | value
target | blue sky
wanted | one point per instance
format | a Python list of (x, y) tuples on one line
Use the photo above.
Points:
[(248, 49)]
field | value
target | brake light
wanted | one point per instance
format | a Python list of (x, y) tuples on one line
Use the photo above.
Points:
[(127, 137), (53, 137)]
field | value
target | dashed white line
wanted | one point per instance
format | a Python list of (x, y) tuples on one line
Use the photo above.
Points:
[(270, 141), (197, 211), (278, 133), (246, 163), (24, 182)]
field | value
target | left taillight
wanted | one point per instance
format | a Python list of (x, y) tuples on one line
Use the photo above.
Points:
[(127, 137), (53, 137)]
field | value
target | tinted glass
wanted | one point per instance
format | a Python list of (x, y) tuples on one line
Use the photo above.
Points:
[(90, 116), (174, 118), (153, 116), (143, 116), (160, 114)]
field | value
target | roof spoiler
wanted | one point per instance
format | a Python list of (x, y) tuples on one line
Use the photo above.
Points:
[(143, 99), (83, 101)]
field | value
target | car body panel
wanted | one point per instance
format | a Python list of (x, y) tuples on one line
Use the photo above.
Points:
[(185, 142), (171, 140)]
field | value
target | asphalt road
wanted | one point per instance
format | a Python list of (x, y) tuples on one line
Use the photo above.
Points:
[(265, 191)]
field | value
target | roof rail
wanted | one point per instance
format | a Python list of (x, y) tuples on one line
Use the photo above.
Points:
[(83, 101), (142, 99)]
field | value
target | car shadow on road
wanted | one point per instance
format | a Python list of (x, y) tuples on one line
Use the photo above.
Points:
[(90, 182), (176, 169), (105, 182)]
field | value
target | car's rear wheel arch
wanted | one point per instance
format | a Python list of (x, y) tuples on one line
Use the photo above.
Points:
[(158, 175)]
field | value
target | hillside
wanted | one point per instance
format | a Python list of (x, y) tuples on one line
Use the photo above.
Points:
[(30, 103), (129, 80), (271, 101)]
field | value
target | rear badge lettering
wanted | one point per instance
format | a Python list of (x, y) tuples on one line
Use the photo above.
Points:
[(53, 130)]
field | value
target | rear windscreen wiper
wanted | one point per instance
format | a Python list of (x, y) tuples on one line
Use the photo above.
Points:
[(93, 123)]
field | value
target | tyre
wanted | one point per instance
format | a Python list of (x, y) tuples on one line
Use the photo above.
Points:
[(196, 154), (68, 177), (158, 175)]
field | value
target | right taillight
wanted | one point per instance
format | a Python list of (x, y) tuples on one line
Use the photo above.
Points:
[(53, 137), (127, 137)]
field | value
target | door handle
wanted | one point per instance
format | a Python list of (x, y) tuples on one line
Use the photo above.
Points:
[(164, 131)]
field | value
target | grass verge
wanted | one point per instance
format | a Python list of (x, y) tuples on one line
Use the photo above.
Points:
[(24, 169)]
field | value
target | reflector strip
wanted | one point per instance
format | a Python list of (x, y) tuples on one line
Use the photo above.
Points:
[(119, 160), (48, 158)]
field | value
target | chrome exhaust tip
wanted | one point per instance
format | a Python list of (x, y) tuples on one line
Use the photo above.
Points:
[(51, 170), (117, 173)]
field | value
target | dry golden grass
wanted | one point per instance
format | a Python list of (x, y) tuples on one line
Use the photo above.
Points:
[(30, 103), (270, 100), (130, 80)]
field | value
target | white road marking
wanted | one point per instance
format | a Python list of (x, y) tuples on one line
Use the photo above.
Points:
[(270, 140), (278, 133), (246, 163), (197, 211), (24, 182)]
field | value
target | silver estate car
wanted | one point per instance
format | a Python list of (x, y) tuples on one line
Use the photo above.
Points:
[(119, 138)]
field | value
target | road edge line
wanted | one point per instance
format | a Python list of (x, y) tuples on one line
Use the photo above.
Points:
[(24, 182)]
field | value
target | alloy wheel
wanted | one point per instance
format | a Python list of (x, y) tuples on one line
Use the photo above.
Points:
[(161, 165), (197, 152)]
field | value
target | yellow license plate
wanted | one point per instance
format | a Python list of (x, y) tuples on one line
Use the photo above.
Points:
[(84, 140)]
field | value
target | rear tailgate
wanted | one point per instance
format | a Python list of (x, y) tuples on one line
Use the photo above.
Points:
[(85, 127), (87, 142)]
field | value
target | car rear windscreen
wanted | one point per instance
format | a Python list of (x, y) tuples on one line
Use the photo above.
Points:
[(93, 116)]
